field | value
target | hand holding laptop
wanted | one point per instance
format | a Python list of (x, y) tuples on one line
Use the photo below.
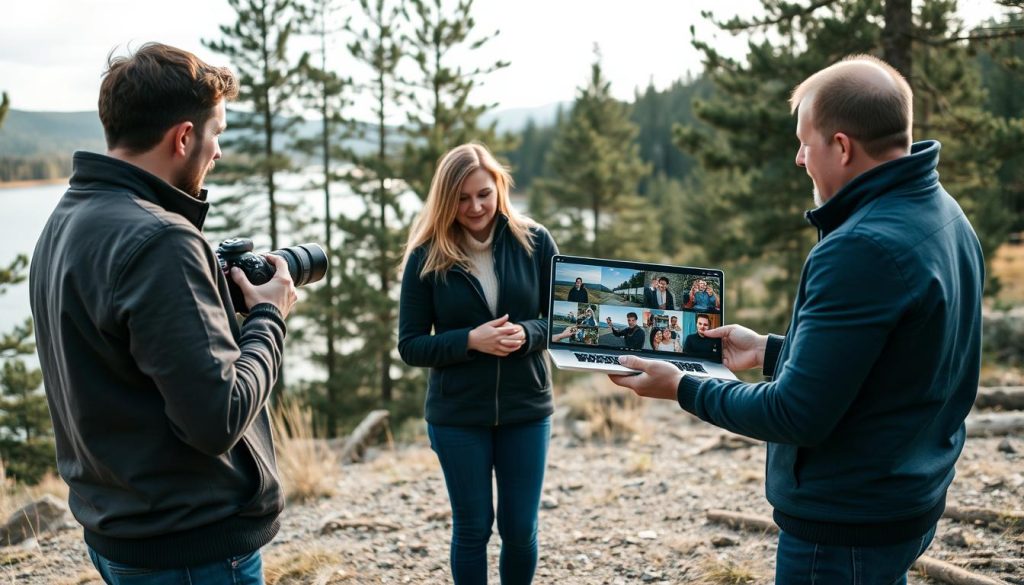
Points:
[(657, 379), (742, 348)]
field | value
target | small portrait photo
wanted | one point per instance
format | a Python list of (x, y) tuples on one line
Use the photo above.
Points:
[(623, 327), (577, 283), (622, 287), (563, 314), (702, 294), (588, 315), (661, 291), (695, 343)]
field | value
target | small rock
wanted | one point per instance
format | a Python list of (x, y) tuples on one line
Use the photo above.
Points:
[(721, 541), (648, 535), (43, 515), (957, 537), (1005, 446), (549, 502), (650, 575)]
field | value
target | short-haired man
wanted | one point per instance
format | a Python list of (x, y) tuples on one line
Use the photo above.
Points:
[(633, 334), (864, 414), (699, 344), (662, 298), (158, 397)]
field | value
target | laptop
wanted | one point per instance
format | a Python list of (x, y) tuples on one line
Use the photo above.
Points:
[(601, 309)]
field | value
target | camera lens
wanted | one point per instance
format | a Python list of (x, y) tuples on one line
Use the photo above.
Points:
[(306, 262)]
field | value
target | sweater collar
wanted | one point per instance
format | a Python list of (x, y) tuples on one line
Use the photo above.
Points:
[(914, 171), (92, 171)]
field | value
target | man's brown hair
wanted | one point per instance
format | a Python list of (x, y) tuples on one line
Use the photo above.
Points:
[(863, 97), (146, 93)]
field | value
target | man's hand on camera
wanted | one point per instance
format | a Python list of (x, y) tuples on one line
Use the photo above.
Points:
[(278, 291)]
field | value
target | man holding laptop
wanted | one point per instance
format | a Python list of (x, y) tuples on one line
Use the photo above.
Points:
[(867, 396)]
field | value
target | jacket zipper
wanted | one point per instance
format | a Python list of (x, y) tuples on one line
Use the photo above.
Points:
[(497, 381)]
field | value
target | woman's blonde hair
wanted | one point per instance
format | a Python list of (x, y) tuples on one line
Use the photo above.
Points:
[(436, 225)]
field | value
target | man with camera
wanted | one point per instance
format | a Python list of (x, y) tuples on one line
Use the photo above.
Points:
[(157, 395)]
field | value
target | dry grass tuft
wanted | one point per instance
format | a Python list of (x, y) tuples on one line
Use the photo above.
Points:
[(612, 414), (716, 571), (1008, 267), (316, 565), (307, 465)]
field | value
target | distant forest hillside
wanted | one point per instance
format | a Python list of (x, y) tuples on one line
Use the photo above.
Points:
[(38, 145)]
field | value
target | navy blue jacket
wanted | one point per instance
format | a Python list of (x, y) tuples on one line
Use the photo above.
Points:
[(865, 414), (466, 387)]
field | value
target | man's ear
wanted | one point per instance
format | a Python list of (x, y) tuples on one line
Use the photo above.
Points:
[(183, 134), (845, 145)]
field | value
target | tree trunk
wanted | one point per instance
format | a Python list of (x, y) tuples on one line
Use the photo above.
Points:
[(896, 37)]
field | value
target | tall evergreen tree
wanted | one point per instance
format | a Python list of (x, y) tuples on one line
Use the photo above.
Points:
[(325, 92), (5, 104), (26, 435), (258, 46), (594, 161), (374, 236), (442, 114)]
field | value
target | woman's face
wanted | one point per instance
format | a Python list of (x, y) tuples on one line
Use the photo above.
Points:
[(478, 202), (657, 337)]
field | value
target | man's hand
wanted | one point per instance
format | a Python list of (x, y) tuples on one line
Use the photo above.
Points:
[(278, 291), (742, 348), (657, 379), (490, 337)]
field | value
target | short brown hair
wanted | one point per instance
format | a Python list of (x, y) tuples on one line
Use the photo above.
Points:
[(877, 113), (157, 87)]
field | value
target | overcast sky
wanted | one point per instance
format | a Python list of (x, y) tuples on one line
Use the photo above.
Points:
[(52, 52)]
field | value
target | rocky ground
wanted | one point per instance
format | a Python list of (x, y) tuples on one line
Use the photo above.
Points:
[(613, 513)]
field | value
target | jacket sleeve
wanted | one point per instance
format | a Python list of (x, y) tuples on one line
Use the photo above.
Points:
[(836, 341), (179, 335), (416, 343), (537, 329)]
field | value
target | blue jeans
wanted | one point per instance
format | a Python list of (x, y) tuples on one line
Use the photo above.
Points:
[(244, 569), (799, 562), (517, 454)]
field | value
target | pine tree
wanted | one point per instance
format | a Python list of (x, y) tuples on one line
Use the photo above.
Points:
[(26, 435), (257, 44), (5, 104), (442, 114), (374, 236), (594, 161), (327, 93)]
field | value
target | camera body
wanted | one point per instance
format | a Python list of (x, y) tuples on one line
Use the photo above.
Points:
[(307, 263)]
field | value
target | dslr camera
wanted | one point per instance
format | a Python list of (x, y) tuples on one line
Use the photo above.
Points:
[(306, 263)]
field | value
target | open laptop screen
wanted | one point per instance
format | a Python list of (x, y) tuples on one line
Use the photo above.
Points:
[(632, 306)]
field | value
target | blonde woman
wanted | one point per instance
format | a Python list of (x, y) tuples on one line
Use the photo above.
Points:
[(474, 295)]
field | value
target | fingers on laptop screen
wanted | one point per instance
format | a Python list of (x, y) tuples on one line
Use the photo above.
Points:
[(635, 309)]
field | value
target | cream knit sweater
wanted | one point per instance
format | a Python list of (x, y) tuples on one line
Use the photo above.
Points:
[(481, 260)]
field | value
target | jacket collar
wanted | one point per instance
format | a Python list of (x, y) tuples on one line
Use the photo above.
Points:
[(915, 171), (92, 171)]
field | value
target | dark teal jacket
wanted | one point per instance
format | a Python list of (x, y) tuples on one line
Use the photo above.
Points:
[(465, 387), (865, 413)]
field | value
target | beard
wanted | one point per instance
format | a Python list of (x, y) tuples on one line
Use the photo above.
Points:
[(190, 179)]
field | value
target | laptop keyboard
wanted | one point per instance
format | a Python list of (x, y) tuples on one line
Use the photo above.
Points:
[(601, 358)]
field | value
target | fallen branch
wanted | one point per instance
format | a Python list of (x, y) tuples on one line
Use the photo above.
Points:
[(741, 521), (373, 525), (995, 424), (952, 574), (725, 441), (1004, 397), (368, 429), (1002, 519)]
